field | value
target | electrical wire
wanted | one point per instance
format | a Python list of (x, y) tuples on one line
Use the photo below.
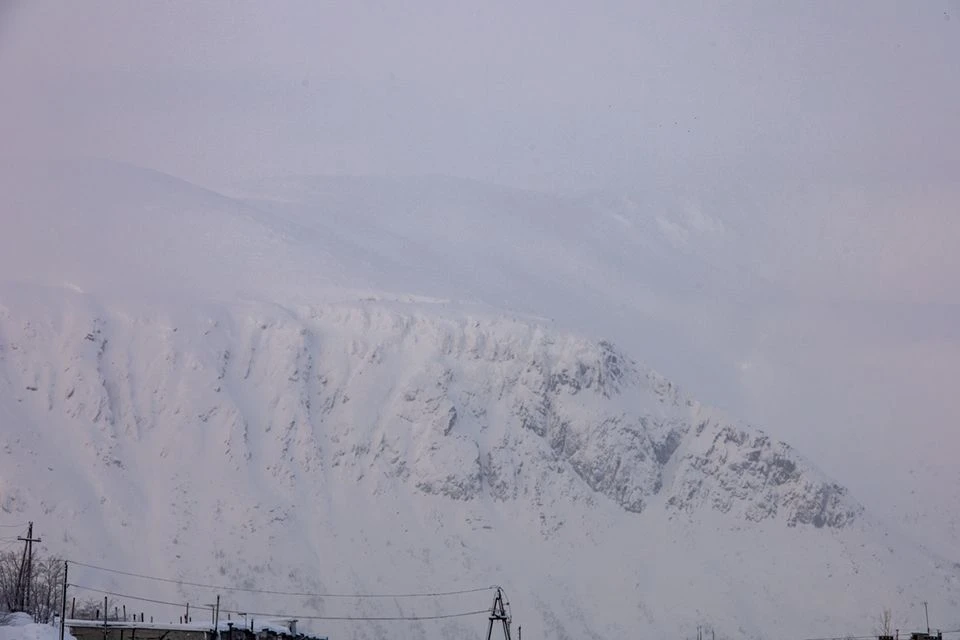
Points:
[(129, 597), (283, 593), (459, 614), (874, 636), (261, 614), (847, 637)]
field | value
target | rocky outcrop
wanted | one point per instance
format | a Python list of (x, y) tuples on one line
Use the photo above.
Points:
[(459, 407)]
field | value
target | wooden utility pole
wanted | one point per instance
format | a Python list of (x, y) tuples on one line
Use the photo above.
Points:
[(25, 575), (63, 600)]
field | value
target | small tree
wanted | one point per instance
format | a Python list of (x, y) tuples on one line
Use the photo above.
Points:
[(47, 588), (92, 609), (9, 572), (46, 585), (885, 622)]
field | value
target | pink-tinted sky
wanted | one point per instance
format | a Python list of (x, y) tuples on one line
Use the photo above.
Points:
[(542, 94), (842, 118)]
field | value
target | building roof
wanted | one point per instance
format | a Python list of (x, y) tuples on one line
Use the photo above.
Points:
[(276, 626)]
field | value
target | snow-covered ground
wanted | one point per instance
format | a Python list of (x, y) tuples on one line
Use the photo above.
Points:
[(19, 626)]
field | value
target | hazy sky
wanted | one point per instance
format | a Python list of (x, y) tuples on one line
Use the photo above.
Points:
[(542, 94), (846, 114)]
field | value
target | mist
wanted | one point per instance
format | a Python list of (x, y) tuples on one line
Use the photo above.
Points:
[(810, 148)]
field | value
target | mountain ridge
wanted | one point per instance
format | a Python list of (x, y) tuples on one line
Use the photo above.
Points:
[(281, 421), (203, 394)]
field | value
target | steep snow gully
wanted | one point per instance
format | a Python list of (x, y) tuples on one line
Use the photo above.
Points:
[(377, 444)]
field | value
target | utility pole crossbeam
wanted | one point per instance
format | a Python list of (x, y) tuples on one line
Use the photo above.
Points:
[(499, 613)]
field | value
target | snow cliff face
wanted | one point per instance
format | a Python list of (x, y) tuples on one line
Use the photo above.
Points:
[(440, 404), (381, 445)]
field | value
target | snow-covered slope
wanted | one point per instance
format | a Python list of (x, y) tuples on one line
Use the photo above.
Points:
[(299, 390), (106, 227), (19, 626), (382, 446), (103, 227)]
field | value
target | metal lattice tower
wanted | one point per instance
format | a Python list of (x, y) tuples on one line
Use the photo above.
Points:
[(499, 613)]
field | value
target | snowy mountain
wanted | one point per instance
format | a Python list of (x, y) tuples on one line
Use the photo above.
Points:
[(218, 389)]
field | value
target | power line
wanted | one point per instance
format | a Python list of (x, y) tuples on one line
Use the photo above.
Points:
[(284, 593), (847, 637), (261, 614), (460, 614), (872, 636)]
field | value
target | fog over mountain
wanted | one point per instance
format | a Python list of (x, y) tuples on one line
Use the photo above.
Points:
[(556, 277)]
